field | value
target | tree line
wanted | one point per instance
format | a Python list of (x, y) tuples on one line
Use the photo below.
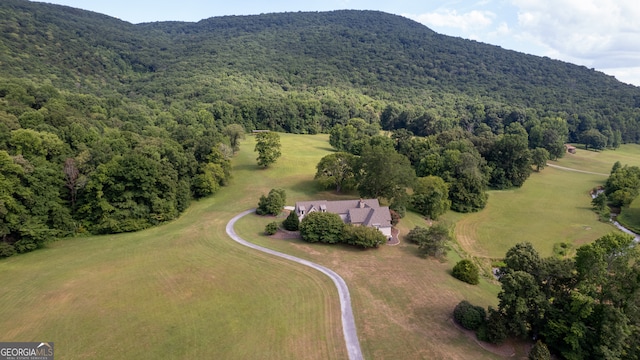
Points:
[(73, 164), (452, 168), (583, 307)]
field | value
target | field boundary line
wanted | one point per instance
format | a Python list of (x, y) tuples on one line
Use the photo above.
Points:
[(348, 322)]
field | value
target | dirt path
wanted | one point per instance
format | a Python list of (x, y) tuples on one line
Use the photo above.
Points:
[(575, 170), (348, 322)]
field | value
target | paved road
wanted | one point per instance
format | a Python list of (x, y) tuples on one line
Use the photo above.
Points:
[(348, 323)]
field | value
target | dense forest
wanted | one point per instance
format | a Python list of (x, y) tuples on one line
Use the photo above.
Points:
[(106, 126)]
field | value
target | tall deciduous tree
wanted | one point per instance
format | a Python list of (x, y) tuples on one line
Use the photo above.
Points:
[(623, 185), (539, 157), (384, 173), (431, 196), (235, 132), (268, 148), (510, 158), (336, 170)]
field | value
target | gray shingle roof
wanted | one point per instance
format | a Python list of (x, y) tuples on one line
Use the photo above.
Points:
[(367, 212)]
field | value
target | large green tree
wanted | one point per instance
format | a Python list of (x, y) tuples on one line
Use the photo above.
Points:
[(431, 196), (235, 133), (268, 148), (623, 185), (583, 308), (273, 203), (337, 170), (431, 241), (129, 193), (383, 173), (510, 158)]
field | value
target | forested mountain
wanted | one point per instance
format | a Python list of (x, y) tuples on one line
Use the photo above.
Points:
[(106, 126), (377, 58)]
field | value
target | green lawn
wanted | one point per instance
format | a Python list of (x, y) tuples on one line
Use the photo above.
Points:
[(184, 290), (553, 206), (630, 217), (601, 161)]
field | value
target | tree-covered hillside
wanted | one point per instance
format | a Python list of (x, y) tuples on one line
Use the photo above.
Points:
[(301, 57), (106, 126)]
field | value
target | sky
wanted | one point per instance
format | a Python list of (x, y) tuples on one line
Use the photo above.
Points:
[(600, 34)]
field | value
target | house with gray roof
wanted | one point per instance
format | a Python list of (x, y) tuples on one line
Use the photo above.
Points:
[(362, 212)]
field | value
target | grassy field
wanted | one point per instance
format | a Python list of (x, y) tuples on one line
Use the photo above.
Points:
[(601, 161), (553, 206), (184, 290), (630, 217)]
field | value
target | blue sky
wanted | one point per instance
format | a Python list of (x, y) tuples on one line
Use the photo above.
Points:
[(600, 34)]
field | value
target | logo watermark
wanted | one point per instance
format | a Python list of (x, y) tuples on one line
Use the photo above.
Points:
[(26, 351)]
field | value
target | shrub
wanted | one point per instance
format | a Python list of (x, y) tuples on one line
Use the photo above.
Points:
[(417, 235), (465, 270), (431, 241), (539, 351), (271, 228), (469, 316), (322, 227), (561, 249), (395, 217), (273, 203), (291, 223), (6, 250), (362, 236)]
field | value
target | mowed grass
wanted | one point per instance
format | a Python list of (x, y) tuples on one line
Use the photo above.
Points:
[(601, 161), (402, 302), (185, 290), (630, 217), (553, 206), (180, 291), (627, 155)]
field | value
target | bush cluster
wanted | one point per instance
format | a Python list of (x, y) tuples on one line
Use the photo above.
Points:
[(273, 203), (465, 270), (271, 228), (469, 316), (329, 228), (291, 223)]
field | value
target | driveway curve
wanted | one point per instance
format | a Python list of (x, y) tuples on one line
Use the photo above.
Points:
[(348, 323)]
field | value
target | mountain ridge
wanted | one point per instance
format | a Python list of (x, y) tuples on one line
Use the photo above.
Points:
[(382, 56)]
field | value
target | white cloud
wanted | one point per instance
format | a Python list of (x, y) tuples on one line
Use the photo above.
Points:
[(447, 18), (605, 34), (630, 75)]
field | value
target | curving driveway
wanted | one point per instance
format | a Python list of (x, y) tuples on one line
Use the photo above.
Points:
[(348, 323)]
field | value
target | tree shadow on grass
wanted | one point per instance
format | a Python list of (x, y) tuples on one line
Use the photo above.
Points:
[(249, 167), (411, 249), (323, 148), (306, 187)]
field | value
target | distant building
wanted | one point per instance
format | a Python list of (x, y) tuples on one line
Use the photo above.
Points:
[(570, 148), (363, 212)]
